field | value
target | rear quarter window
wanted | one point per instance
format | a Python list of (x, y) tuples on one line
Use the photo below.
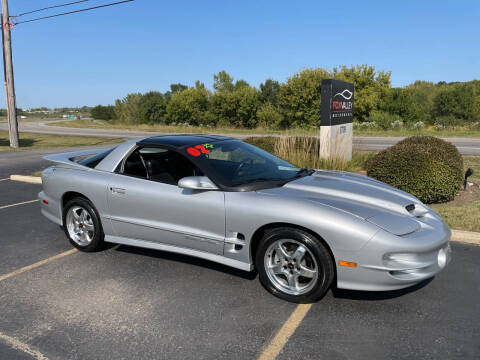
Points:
[(94, 160)]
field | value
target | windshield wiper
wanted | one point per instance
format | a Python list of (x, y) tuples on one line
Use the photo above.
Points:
[(305, 171), (258, 180)]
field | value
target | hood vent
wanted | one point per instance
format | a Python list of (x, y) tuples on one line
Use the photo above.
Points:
[(410, 207)]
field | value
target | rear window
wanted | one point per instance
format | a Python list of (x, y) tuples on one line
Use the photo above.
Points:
[(94, 160)]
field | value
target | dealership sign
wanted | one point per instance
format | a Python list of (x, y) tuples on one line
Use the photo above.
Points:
[(336, 128)]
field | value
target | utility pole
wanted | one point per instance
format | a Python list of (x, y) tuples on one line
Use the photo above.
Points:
[(8, 72)]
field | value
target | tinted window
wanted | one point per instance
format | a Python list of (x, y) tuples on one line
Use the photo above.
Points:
[(233, 163), (94, 160), (160, 165)]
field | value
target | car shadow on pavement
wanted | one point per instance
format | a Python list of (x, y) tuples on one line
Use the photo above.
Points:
[(377, 295), (187, 260)]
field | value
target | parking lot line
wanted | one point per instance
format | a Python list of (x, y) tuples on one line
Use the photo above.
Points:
[(21, 203), (18, 345), (287, 330), (37, 264), (5, 179)]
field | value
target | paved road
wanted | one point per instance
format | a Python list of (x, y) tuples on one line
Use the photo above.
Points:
[(466, 146), (127, 303)]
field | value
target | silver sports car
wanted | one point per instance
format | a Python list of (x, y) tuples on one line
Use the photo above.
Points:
[(227, 201)]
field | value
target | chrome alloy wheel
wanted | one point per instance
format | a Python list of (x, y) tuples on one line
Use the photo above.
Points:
[(291, 267), (80, 225)]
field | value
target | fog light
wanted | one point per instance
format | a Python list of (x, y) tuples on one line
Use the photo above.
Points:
[(442, 258)]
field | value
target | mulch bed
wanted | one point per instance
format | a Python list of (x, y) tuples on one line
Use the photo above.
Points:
[(472, 193)]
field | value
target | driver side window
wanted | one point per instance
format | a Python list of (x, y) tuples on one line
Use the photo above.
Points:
[(160, 165)]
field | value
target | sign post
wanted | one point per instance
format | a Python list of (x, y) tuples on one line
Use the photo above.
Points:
[(336, 128)]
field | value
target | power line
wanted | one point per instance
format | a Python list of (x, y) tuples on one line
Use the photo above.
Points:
[(73, 12), (49, 7)]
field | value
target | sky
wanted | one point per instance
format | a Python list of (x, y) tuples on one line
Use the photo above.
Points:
[(98, 56)]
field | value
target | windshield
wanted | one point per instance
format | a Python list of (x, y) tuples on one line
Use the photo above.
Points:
[(234, 163)]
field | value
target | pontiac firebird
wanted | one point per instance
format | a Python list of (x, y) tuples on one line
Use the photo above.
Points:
[(227, 201)]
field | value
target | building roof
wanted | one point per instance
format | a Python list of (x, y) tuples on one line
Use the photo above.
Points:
[(181, 140)]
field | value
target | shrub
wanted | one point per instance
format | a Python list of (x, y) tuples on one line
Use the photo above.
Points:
[(365, 125), (384, 120), (427, 167), (447, 121), (397, 124), (438, 148), (475, 125), (418, 125)]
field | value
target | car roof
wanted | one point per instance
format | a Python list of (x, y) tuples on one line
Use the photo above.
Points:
[(181, 140)]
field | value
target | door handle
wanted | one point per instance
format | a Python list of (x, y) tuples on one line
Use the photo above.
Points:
[(116, 190)]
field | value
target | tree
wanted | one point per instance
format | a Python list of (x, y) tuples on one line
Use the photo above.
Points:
[(174, 88), (248, 99), (103, 112), (127, 109), (269, 91), (455, 100), (401, 102), (269, 117), (223, 82), (239, 84), (300, 97), (199, 85), (152, 108), (423, 93), (370, 87), (189, 106), (236, 108)]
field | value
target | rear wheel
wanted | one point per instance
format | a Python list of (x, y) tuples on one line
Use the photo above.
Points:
[(82, 225), (294, 265)]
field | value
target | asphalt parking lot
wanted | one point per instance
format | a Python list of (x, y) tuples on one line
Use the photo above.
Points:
[(128, 303)]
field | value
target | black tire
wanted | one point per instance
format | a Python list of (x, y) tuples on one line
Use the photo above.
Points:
[(325, 264), (97, 242)]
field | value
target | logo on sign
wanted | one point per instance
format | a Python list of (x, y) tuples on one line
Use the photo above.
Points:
[(342, 108), (347, 95)]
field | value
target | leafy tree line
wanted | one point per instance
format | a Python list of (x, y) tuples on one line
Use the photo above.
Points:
[(297, 101)]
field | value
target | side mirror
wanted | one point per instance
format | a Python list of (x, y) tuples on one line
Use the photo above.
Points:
[(197, 183)]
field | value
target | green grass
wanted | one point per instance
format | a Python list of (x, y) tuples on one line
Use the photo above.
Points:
[(458, 132), (30, 141), (101, 124), (460, 217)]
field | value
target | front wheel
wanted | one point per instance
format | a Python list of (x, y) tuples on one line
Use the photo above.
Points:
[(82, 225), (294, 265)]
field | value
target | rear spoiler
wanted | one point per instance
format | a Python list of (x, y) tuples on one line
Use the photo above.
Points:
[(70, 159)]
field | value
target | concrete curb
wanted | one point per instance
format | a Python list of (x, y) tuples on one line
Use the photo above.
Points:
[(469, 237), (27, 179)]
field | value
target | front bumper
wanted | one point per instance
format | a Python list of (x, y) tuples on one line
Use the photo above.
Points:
[(390, 262)]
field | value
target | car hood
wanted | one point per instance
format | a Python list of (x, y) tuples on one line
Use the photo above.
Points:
[(372, 200)]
